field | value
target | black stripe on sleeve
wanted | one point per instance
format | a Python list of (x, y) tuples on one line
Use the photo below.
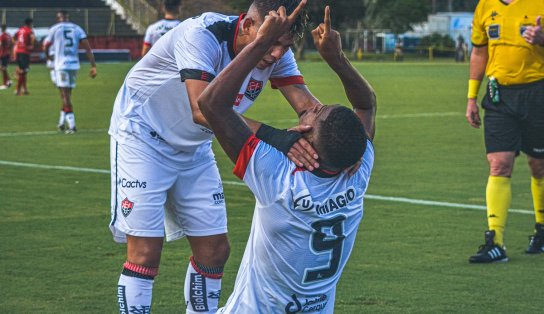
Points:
[(192, 74)]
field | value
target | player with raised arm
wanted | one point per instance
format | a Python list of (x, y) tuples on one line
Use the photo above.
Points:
[(305, 222), (159, 28), (24, 44), (65, 37), (165, 181)]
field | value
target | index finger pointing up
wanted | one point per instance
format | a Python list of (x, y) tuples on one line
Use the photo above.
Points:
[(327, 20), (296, 11)]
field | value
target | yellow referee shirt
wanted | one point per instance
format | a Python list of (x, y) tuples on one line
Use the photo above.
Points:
[(500, 26)]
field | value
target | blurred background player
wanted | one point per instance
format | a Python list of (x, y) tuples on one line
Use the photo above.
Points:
[(508, 46), (24, 44), (65, 38), (305, 223), (5, 54), (159, 28)]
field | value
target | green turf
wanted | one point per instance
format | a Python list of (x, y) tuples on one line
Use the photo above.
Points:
[(57, 255)]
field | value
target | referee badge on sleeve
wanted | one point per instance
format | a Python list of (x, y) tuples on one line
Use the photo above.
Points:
[(494, 31)]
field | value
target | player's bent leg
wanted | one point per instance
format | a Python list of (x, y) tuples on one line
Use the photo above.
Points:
[(536, 240), (204, 273), (134, 290), (66, 94)]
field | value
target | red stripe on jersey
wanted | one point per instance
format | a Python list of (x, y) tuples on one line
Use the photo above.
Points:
[(298, 169), (244, 156), (284, 81), (242, 15), (147, 44)]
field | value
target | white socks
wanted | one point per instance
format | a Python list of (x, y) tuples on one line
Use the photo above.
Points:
[(202, 288)]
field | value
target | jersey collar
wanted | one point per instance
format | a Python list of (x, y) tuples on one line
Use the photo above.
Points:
[(233, 33)]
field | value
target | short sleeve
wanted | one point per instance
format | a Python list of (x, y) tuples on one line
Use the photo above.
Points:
[(81, 33), (479, 34), (50, 35), (197, 54), (286, 71), (148, 40), (264, 169)]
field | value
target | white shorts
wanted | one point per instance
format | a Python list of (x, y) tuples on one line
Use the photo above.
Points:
[(66, 78), (53, 76), (152, 198)]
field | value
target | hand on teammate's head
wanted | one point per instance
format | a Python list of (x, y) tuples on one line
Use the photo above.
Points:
[(277, 23)]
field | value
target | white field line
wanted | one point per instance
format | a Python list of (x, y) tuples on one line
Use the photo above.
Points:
[(14, 134), (367, 196), (391, 116), (387, 116)]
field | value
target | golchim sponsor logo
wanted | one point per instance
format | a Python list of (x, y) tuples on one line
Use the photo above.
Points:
[(132, 184), (197, 293), (303, 202)]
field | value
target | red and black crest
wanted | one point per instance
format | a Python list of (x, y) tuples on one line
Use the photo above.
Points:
[(254, 88), (126, 207)]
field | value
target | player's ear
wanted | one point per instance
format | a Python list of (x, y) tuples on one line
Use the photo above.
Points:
[(247, 24)]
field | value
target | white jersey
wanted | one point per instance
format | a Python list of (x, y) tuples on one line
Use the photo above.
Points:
[(154, 96), (302, 233), (157, 29), (65, 38)]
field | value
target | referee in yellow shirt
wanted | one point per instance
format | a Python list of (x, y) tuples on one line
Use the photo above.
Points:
[(508, 47)]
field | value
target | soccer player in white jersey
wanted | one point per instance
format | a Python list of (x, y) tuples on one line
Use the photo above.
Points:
[(159, 28), (65, 38), (165, 182), (305, 222)]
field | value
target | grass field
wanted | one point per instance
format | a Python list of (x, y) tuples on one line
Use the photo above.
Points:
[(57, 254)]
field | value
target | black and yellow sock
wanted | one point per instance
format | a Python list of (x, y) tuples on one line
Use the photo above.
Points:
[(537, 189), (498, 197)]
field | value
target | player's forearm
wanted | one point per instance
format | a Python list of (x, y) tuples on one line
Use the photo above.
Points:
[(359, 92), (478, 63)]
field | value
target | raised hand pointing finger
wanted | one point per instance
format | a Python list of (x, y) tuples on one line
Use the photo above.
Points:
[(327, 20)]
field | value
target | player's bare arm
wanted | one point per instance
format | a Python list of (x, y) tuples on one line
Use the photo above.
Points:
[(90, 56), (195, 88), (478, 62), (215, 102), (359, 92)]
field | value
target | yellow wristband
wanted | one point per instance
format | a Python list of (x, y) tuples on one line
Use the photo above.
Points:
[(473, 88)]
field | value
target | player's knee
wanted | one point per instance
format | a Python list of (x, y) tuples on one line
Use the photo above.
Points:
[(214, 253), (501, 166), (500, 170), (145, 254), (537, 167)]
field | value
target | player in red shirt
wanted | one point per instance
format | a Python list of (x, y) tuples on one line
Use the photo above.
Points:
[(24, 43), (5, 52)]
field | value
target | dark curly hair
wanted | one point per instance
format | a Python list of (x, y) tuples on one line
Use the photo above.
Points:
[(342, 139), (298, 28), (171, 5)]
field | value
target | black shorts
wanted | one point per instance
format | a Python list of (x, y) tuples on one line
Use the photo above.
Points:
[(516, 123), (23, 61), (4, 61)]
